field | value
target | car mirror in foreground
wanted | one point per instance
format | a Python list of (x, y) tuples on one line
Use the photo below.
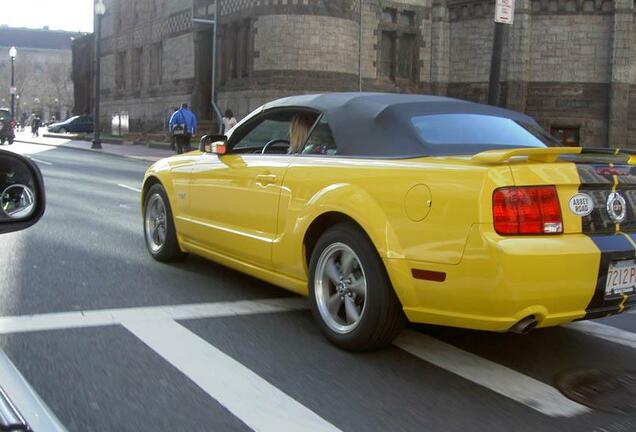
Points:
[(22, 198), (216, 144)]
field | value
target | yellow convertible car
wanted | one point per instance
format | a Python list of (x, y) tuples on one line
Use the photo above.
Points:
[(387, 207)]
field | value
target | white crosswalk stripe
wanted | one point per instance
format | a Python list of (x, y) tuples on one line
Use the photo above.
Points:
[(507, 382), (253, 400), (603, 331), (105, 317), (257, 402)]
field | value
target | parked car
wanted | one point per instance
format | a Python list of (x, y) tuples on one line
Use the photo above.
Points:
[(438, 210), (7, 126), (73, 124)]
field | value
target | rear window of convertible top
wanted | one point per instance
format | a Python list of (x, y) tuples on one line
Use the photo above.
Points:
[(478, 129)]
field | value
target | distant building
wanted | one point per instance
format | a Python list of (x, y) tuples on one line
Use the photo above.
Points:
[(569, 63), (42, 71)]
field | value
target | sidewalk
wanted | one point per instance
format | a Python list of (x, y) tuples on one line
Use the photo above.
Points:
[(140, 152)]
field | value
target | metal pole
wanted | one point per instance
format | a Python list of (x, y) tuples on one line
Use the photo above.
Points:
[(214, 52), (97, 144), (12, 86), (495, 64), (360, 51)]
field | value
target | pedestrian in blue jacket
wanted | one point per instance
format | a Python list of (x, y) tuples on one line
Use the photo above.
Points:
[(183, 124)]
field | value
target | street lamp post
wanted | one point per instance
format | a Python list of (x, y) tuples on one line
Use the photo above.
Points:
[(100, 10), (12, 53)]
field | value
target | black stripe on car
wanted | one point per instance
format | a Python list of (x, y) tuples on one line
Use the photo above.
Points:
[(597, 180)]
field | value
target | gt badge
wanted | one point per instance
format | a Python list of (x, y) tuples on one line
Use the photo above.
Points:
[(616, 207), (581, 204)]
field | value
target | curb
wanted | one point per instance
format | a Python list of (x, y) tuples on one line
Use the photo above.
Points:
[(137, 158)]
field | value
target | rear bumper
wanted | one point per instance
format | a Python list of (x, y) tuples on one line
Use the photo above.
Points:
[(501, 280)]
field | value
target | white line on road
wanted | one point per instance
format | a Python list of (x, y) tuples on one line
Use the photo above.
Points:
[(41, 161), (256, 402), (129, 187), (507, 382), (105, 317), (602, 331)]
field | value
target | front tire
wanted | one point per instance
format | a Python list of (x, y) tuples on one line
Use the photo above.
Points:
[(159, 230), (350, 292)]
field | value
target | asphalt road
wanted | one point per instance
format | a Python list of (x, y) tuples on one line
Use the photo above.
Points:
[(144, 346)]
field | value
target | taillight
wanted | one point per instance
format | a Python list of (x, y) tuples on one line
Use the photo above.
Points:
[(527, 210)]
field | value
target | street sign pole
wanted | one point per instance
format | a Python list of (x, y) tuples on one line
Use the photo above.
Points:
[(504, 15)]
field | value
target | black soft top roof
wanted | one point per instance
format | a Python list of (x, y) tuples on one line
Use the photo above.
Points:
[(379, 124)]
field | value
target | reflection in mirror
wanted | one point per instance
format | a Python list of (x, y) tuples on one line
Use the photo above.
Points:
[(18, 200)]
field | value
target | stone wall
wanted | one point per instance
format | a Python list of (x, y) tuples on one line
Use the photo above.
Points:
[(306, 42), (178, 55), (471, 34), (570, 48)]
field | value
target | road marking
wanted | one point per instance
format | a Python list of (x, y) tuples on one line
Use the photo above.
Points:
[(41, 161), (36, 413), (602, 331), (253, 400), (106, 317), (507, 382), (129, 187)]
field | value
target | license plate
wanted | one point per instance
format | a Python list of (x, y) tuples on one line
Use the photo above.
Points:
[(621, 277)]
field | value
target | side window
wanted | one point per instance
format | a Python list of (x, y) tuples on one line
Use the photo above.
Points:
[(321, 140), (279, 132), (273, 128)]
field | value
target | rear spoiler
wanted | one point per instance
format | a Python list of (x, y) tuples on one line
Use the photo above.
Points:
[(549, 154)]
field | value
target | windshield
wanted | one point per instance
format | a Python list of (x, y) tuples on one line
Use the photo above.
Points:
[(478, 130)]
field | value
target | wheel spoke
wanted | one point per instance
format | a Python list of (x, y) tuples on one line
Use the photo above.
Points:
[(332, 272), (351, 310), (155, 235), (161, 234), (346, 263), (334, 304), (357, 286)]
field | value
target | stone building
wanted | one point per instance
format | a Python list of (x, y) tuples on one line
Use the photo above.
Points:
[(42, 71), (83, 74), (569, 63)]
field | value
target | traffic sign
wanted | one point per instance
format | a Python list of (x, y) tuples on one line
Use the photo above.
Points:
[(505, 11)]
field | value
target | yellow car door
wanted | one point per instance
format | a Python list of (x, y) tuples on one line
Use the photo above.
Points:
[(234, 197)]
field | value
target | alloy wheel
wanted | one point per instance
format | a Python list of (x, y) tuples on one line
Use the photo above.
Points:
[(155, 223), (340, 288)]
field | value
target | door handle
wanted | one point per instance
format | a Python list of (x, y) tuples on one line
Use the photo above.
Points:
[(266, 178)]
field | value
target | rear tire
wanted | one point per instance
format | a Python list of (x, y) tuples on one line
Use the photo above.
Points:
[(159, 230), (350, 292)]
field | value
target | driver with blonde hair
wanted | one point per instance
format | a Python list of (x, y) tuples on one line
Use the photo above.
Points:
[(298, 131)]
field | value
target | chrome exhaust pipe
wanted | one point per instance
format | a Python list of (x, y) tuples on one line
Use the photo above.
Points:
[(525, 325)]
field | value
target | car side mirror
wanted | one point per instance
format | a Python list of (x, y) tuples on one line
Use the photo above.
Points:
[(22, 198), (216, 144)]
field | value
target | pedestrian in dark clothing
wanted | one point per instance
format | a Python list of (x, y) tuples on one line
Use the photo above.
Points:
[(35, 126), (23, 121), (183, 124), (172, 137)]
